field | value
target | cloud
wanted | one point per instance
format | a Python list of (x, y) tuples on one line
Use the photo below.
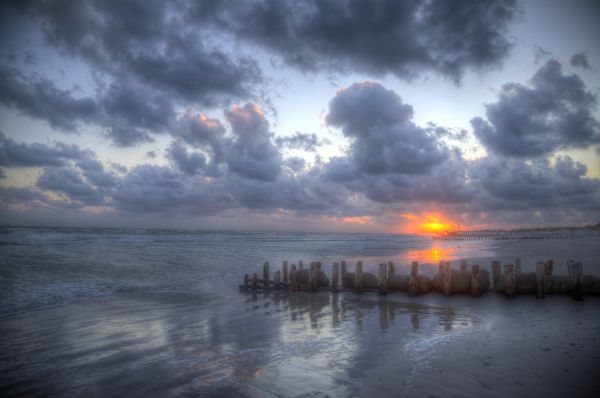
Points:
[(383, 137), (69, 182), (40, 98), (250, 152), (376, 38), (13, 154), (554, 111), (580, 60), (149, 43), (517, 184), (302, 141), (187, 162), (156, 189)]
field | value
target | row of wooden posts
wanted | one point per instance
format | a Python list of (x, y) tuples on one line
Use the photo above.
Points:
[(447, 280)]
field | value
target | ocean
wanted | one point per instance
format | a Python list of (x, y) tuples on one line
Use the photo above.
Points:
[(158, 312)]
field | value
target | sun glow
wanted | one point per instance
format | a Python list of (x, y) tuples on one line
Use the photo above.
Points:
[(426, 224)]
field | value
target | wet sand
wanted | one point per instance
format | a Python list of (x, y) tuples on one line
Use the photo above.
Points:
[(207, 343)]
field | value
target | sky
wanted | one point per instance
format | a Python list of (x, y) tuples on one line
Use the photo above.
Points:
[(332, 116)]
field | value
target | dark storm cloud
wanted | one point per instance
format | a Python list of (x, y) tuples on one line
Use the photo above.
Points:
[(580, 60), (554, 111), (149, 42), (13, 154), (398, 37), (383, 137), (187, 162)]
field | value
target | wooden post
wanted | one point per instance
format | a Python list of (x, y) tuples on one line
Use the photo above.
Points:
[(540, 273), (463, 265), (576, 281), (246, 281), (318, 265), (284, 268), (277, 279), (300, 265), (312, 276), (293, 279), (549, 267), (344, 270), (413, 281), (517, 266), (496, 273), (475, 281), (266, 273), (335, 275), (358, 277), (509, 281), (441, 267), (382, 280), (447, 278), (391, 270), (254, 281), (570, 267)]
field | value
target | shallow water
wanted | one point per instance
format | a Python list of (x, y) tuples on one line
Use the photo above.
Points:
[(155, 313)]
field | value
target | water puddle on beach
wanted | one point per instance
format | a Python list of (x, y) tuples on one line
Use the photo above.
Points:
[(251, 344)]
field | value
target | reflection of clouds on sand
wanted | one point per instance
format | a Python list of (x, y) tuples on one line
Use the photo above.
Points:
[(347, 336)]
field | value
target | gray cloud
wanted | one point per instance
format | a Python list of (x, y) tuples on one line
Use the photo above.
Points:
[(148, 42), (250, 152), (187, 162), (555, 111), (69, 182), (376, 37), (13, 154), (384, 139), (303, 141), (580, 60)]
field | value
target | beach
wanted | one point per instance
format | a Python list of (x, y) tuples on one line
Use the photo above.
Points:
[(159, 313)]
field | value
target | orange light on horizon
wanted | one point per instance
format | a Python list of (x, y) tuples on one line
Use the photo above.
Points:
[(425, 224)]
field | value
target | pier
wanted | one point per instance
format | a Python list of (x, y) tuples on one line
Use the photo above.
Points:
[(508, 280)]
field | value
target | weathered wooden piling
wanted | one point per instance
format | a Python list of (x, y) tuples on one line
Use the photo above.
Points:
[(335, 276), (517, 266), (496, 274), (344, 269), (540, 273), (441, 267), (463, 265), (300, 265), (391, 270), (246, 281), (413, 282), (294, 279), (475, 281), (312, 276), (570, 267), (284, 269), (577, 281), (447, 278), (509, 281), (266, 273), (358, 277), (549, 267), (318, 265), (254, 281), (382, 280), (277, 280)]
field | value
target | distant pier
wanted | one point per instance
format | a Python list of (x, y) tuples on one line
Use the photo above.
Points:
[(519, 234)]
